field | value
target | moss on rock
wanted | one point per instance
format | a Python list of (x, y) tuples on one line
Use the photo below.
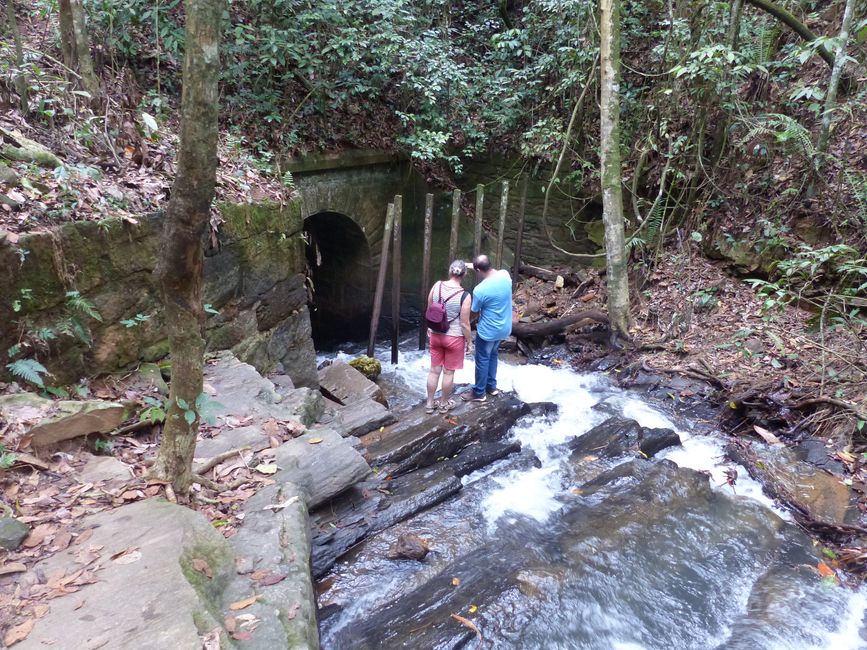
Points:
[(370, 368)]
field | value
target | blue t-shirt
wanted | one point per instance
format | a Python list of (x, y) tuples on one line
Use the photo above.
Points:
[(493, 298)]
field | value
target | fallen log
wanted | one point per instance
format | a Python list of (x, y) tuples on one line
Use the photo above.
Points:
[(570, 278), (547, 328)]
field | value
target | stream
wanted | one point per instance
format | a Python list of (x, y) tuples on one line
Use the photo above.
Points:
[(544, 549)]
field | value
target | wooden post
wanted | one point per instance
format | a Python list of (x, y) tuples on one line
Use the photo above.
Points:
[(480, 208), (501, 228), (380, 278), (395, 279), (456, 217), (425, 267), (520, 240)]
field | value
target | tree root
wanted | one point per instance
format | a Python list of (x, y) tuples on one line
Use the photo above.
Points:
[(219, 458)]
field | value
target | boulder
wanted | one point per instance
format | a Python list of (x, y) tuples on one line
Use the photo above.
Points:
[(618, 436), (161, 571), (69, 419), (367, 366), (824, 496), (8, 176), (344, 384), (408, 547), (322, 462), (12, 533)]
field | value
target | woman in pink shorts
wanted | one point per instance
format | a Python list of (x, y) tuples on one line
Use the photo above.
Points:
[(447, 349)]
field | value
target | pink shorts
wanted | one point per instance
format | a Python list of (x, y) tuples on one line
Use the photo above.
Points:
[(446, 351)]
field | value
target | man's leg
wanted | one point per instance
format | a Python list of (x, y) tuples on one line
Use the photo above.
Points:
[(482, 358), (491, 384)]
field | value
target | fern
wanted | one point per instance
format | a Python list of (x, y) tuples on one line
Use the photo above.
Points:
[(79, 303), (654, 220), (28, 370)]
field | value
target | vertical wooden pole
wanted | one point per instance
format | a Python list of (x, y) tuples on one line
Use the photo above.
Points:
[(425, 268), (395, 279), (501, 228), (456, 217), (520, 240), (480, 208), (380, 279)]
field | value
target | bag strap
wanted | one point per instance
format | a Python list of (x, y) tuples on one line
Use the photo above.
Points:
[(460, 304)]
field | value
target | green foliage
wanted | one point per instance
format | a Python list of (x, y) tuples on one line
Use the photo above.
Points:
[(7, 458), (155, 411), (103, 446), (135, 321), (30, 370), (833, 279)]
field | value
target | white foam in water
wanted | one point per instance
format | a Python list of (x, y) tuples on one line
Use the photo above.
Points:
[(527, 492)]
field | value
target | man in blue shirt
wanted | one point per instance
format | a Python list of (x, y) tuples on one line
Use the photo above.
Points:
[(492, 301)]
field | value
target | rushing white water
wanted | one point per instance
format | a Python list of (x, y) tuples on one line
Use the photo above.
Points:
[(535, 492)]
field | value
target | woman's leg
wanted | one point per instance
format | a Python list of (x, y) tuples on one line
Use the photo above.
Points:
[(433, 378), (448, 384)]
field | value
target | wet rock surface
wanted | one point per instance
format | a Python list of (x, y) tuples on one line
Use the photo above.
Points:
[(420, 440), (636, 534), (618, 436), (408, 547), (420, 460)]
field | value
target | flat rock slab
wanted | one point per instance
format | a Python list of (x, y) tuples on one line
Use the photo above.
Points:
[(227, 439), (149, 597), (322, 462), (59, 421), (344, 384), (243, 392), (104, 468), (419, 440), (273, 548), (361, 417)]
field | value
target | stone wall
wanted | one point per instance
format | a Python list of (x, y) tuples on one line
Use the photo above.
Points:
[(253, 279), (575, 219)]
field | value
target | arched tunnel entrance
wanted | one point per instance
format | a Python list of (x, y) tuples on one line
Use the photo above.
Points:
[(339, 259)]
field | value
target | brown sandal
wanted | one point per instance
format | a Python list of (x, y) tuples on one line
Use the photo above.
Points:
[(445, 407)]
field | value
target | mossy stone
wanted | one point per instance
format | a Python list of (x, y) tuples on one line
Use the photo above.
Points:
[(370, 368)]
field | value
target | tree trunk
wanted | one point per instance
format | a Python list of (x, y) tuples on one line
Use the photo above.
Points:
[(75, 46), (788, 19), (180, 266), (834, 81), (548, 328), (735, 23), (21, 83), (612, 191), (67, 35)]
